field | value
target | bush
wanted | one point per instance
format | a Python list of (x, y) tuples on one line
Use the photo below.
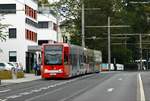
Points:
[(5, 75), (20, 74)]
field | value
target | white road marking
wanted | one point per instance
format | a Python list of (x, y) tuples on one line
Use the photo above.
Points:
[(24, 93), (44, 88), (80, 91), (36, 97), (13, 96), (35, 90), (120, 79), (39, 90), (3, 91), (3, 99), (142, 96), (110, 89)]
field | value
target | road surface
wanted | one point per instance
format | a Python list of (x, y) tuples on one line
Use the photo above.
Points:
[(109, 86)]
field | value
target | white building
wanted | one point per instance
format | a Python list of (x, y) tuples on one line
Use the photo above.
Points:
[(21, 15), (48, 30), (27, 28)]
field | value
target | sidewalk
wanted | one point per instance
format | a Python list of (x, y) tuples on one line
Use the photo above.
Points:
[(27, 78)]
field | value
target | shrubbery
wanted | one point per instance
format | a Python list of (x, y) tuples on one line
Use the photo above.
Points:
[(9, 74), (5, 75)]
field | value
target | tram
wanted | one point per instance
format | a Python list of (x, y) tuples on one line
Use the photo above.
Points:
[(62, 60)]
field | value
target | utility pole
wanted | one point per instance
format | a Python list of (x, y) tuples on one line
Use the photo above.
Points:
[(147, 59), (83, 30), (57, 27), (140, 37), (109, 36), (140, 46), (109, 47)]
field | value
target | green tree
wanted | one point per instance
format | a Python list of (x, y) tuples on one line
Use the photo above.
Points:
[(40, 2), (3, 28), (136, 16), (122, 12), (69, 11), (121, 54)]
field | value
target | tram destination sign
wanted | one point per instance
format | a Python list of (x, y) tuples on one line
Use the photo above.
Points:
[(53, 48)]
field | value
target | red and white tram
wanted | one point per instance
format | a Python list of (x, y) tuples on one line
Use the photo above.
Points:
[(62, 60)]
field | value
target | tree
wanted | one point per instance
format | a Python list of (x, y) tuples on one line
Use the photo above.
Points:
[(40, 2), (97, 17), (122, 12), (3, 27), (136, 16), (121, 54), (70, 12)]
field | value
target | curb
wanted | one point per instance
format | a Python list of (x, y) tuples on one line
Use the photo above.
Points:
[(7, 84), (3, 85)]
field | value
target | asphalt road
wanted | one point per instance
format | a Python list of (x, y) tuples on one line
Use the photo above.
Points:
[(112, 86)]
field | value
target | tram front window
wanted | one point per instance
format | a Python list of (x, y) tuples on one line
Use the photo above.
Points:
[(53, 55)]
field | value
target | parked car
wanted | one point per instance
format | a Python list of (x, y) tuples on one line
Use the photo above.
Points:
[(6, 66), (120, 67), (18, 66)]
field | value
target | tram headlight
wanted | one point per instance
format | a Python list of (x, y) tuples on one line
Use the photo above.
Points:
[(60, 70), (46, 71)]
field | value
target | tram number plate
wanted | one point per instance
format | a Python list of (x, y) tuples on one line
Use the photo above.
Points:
[(52, 73)]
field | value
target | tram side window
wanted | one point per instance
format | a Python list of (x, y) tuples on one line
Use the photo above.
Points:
[(65, 58), (73, 61), (70, 59), (85, 59), (82, 58)]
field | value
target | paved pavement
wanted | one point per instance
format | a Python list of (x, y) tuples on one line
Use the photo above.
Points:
[(108, 86), (52, 90), (27, 78)]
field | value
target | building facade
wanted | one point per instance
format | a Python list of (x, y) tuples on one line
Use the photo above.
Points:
[(48, 26), (26, 30), (47, 29), (21, 16)]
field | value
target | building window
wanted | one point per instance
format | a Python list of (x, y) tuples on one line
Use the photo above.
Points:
[(8, 8), (30, 12), (43, 24), (30, 35), (12, 33), (12, 56), (30, 22)]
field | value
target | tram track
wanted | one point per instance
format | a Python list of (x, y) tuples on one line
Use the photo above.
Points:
[(40, 87)]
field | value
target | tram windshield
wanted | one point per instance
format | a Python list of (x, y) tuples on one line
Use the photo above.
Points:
[(53, 55)]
